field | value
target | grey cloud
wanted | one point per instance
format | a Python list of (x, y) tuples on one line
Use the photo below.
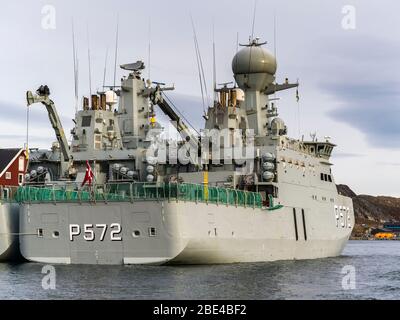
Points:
[(347, 155), (375, 114), (17, 113), (391, 164), (23, 138), (363, 77)]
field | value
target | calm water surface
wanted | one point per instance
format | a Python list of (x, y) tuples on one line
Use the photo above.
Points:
[(377, 265)]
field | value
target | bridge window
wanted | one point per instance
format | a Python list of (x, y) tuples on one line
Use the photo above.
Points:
[(86, 121)]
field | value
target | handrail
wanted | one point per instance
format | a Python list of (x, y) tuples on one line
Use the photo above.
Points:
[(143, 191)]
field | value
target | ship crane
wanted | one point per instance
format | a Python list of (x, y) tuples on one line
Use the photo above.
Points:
[(42, 96), (157, 98)]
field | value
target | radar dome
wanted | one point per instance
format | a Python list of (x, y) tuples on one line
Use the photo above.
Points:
[(254, 67)]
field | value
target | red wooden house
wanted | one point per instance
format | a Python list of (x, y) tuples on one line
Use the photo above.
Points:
[(13, 163)]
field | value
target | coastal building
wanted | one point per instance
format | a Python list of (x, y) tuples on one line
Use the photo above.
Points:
[(393, 227), (13, 163)]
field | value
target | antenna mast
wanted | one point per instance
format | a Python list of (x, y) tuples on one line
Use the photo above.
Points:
[(90, 67), (149, 50), (200, 78), (116, 52), (252, 33), (214, 67), (254, 20), (275, 45), (237, 50), (75, 57), (105, 70), (200, 61)]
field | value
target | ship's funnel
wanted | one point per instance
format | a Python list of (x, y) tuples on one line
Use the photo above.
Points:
[(95, 102)]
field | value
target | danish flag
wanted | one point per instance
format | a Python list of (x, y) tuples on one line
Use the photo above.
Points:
[(89, 175)]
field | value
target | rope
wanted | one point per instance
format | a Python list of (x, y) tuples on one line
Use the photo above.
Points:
[(298, 111), (27, 134)]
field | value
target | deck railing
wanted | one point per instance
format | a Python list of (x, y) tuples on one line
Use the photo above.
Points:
[(130, 192)]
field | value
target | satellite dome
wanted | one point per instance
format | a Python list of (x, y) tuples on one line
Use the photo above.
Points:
[(254, 67), (254, 59)]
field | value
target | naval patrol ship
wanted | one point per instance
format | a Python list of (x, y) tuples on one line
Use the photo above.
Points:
[(241, 190)]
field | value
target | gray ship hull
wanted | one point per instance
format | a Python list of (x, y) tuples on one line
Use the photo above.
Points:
[(9, 225), (151, 232)]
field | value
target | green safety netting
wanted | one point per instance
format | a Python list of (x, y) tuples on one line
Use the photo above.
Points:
[(142, 191)]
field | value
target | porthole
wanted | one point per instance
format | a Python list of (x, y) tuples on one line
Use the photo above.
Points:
[(136, 234), (56, 234)]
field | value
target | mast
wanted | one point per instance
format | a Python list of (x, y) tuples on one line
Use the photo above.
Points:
[(116, 53)]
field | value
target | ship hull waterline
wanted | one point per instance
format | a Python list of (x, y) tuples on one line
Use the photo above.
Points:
[(9, 226), (151, 232)]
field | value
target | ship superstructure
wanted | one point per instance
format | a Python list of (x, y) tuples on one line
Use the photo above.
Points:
[(239, 191)]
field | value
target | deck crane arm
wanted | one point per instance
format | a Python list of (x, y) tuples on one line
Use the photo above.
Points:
[(157, 98), (42, 96)]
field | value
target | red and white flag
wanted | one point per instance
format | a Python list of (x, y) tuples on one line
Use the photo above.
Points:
[(89, 176)]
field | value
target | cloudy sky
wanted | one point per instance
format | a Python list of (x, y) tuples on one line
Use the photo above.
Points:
[(348, 69)]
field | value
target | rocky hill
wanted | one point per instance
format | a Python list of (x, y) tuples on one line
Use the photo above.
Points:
[(372, 211)]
